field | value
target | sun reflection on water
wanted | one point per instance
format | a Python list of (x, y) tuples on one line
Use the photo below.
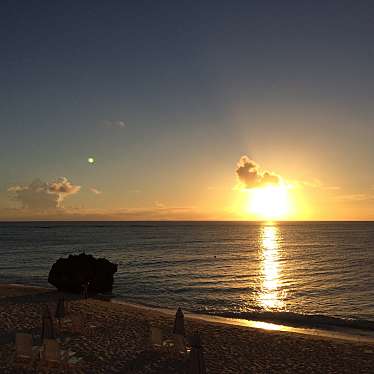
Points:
[(270, 297)]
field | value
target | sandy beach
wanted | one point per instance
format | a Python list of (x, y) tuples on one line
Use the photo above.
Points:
[(118, 338)]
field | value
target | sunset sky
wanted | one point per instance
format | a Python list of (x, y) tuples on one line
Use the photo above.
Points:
[(187, 110)]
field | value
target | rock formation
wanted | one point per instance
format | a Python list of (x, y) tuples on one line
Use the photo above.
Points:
[(72, 273)]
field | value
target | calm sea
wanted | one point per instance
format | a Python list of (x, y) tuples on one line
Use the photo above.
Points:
[(310, 274)]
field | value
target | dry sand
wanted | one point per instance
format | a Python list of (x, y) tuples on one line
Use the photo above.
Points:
[(118, 342)]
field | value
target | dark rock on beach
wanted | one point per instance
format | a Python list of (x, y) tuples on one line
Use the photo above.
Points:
[(72, 273)]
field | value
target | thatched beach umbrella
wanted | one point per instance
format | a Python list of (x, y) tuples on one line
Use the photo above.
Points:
[(48, 329), (60, 309), (179, 323), (196, 363)]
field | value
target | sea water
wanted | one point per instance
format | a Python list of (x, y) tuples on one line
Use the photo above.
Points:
[(300, 273)]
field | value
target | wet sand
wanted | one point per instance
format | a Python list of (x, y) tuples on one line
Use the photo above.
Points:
[(118, 337)]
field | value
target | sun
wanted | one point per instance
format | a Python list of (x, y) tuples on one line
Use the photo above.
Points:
[(269, 202)]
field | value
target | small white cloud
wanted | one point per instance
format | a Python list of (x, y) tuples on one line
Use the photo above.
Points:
[(160, 205), (114, 124), (314, 183), (95, 191), (332, 188)]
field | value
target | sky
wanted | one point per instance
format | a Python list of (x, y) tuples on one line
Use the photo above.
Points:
[(168, 97)]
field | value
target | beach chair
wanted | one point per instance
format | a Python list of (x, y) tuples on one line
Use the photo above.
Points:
[(51, 354), (77, 323), (80, 324), (54, 357), (156, 337), (90, 325), (179, 344), (67, 308), (24, 352), (196, 361)]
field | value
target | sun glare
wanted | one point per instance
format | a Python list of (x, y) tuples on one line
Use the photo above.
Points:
[(270, 296), (269, 202)]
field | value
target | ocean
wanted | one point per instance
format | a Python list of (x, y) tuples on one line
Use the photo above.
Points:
[(311, 274)]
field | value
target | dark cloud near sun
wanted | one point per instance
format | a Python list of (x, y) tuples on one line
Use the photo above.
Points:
[(44, 196), (250, 174)]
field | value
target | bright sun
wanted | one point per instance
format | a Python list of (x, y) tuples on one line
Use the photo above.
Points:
[(269, 202)]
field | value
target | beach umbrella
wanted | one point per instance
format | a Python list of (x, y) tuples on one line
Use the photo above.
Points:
[(60, 309), (179, 323), (48, 330), (196, 364)]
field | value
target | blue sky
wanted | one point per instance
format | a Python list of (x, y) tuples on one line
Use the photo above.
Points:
[(198, 85)]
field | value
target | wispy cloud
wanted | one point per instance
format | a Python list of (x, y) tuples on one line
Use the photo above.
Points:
[(331, 188), (314, 183), (120, 124), (95, 191), (160, 211), (355, 197), (159, 204), (43, 196)]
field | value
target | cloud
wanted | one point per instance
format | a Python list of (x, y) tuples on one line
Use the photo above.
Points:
[(44, 196), (160, 205), (331, 188), (314, 183), (250, 174), (355, 197), (95, 191), (63, 187), (114, 124), (160, 211)]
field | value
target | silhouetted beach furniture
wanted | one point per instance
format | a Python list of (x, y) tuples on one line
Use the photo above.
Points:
[(179, 344), (196, 363), (89, 328), (67, 308), (24, 352), (156, 337), (51, 354), (77, 323), (179, 323), (80, 324), (48, 330), (60, 310)]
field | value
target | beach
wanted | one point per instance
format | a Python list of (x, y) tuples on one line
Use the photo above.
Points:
[(118, 340)]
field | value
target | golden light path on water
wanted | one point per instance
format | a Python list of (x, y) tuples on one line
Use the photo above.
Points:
[(270, 297)]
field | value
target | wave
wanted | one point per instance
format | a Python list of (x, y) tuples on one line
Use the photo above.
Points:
[(298, 320), (212, 289)]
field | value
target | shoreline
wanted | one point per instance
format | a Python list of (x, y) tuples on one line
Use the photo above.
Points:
[(336, 332), (119, 339), (262, 325)]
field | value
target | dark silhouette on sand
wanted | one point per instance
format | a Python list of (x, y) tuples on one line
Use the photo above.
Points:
[(70, 274)]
